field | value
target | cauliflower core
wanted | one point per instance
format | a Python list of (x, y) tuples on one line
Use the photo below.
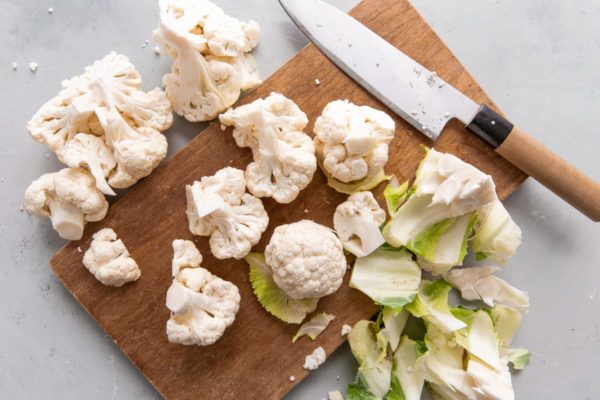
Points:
[(353, 141), (212, 57), (284, 156), (218, 206), (357, 222), (69, 198), (307, 260), (202, 305), (102, 121), (109, 261)]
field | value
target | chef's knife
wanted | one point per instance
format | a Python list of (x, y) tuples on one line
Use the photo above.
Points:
[(427, 102)]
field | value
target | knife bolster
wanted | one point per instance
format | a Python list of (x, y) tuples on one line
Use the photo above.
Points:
[(490, 126)]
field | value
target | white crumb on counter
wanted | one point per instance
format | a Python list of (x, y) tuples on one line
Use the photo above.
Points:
[(346, 329), (145, 43), (335, 395), (33, 66), (337, 378), (447, 115), (21, 209), (157, 51), (50, 10), (306, 211), (317, 82), (1, 180), (15, 65), (315, 359), (292, 378)]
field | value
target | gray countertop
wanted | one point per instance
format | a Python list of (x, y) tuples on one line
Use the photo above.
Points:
[(538, 59)]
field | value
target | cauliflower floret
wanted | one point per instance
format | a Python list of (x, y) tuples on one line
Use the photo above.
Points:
[(90, 152), (307, 259), (69, 198), (315, 359), (212, 61), (284, 156), (357, 222), (220, 207), (109, 86), (202, 305), (353, 141), (109, 261)]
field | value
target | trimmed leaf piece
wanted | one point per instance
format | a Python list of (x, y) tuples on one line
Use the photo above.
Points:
[(431, 304), (395, 194), (519, 358), (314, 327)]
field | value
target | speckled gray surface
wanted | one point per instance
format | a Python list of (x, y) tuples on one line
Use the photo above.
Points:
[(537, 59)]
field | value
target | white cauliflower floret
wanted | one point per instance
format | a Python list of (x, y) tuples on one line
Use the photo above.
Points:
[(212, 61), (90, 152), (357, 222), (284, 156), (109, 261), (315, 359), (69, 198), (220, 207), (202, 305), (353, 141), (111, 86), (307, 260)]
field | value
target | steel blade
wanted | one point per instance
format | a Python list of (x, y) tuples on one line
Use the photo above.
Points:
[(410, 90)]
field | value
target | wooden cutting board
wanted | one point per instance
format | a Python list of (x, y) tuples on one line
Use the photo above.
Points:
[(255, 357)]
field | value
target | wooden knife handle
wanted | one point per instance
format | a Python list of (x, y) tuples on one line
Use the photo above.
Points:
[(536, 160)]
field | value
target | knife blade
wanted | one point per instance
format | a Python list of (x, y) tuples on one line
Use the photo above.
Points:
[(427, 102)]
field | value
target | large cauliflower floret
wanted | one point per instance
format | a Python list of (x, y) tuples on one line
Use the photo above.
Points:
[(69, 198), (284, 156), (109, 261), (357, 223), (212, 61), (353, 141), (111, 85), (307, 259), (220, 207), (202, 305)]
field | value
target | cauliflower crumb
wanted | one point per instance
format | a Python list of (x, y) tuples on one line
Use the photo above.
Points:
[(346, 329), (157, 50), (33, 66), (335, 395), (317, 82), (223, 127), (337, 378), (50, 10), (292, 378), (315, 359), (15, 66), (306, 211), (21, 209), (79, 249), (145, 43)]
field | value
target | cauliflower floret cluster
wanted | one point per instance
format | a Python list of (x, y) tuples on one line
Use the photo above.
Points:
[(202, 305), (357, 222), (284, 156), (102, 121), (109, 261), (212, 57), (353, 141), (69, 198), (307, 260), (219, 206)]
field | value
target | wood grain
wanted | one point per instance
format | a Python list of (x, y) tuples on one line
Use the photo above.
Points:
[(550, 170), (255, 357)]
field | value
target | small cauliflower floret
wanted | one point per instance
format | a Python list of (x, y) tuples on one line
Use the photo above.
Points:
[(284, 156), (307, 260), (106, 101), (357, 222), (438, 213), (89, 152), (212, 57), (315, 359), (353, 141), (137, 152), (218, 206), (69, 198), (109, 261), (202, 305)]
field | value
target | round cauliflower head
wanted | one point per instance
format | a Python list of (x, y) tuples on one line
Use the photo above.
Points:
[(307, 260), (109, 261), (357, 223), (212, 61), (220, 207), (202, 305), (284, 156), (69, 198), (353, 141)]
